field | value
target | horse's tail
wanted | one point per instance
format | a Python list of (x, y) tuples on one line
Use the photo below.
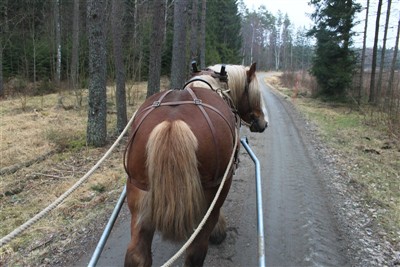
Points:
[(175, 201)]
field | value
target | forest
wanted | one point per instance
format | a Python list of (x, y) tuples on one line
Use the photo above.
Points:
[(45, 46), (39, 40), (73, 71)]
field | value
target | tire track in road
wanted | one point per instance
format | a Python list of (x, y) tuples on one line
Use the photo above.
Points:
[(300, 229)]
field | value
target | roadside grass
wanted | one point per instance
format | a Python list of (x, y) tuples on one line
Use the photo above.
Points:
[(368, 153), (36, 127)]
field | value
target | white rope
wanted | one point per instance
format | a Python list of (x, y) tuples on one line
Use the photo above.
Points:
[(6, 239), (207, 215)]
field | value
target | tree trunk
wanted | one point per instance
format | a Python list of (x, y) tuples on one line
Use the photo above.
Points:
[(278, 41), (374, 52), (3, 32), (33, 34), (252, 43), (1, 70), (363, 55), (120, 95), (382, 65), (179, 67), (75, 46), (97, 111), (393, 66), (203, 34), (157, 37), (194, 31), (58, 40)]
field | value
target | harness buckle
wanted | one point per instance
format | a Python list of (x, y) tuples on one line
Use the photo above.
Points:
[(197, 101), (156, 104)]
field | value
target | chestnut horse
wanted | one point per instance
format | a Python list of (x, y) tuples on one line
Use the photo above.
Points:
[(180, 147)]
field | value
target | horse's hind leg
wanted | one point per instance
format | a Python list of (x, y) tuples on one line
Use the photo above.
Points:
[(197, 251), (139, 248), (218, 234)]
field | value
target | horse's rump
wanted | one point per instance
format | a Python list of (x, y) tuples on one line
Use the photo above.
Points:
[(173, 147), (224, 124)]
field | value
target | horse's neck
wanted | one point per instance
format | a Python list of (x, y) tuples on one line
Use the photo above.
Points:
[(215, 85), (235, 90), (233, 86)]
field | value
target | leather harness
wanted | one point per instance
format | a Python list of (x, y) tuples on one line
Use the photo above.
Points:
[(202, 106)]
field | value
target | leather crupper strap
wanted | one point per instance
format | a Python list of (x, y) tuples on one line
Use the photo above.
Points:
[(196, 101), (212, 128)]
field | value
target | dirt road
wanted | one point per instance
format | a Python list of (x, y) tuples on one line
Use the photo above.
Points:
[(299, 226)]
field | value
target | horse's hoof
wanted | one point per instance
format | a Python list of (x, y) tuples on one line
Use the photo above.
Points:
[(217, 239)]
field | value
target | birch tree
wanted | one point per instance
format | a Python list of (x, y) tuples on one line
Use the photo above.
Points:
[(278, 41), (382, 65), (363, 54), (374, 53)]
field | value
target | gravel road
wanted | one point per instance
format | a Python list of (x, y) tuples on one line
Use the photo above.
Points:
[(303, 226)]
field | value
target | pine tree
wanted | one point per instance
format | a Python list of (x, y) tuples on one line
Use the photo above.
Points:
[(153, 84), (223, 32), (334, 60), (3, 31), (117, 26), (179, 66), (75, 46), (97, 112)]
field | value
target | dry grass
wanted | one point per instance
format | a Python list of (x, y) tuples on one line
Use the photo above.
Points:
[(34, 128), (369, 154)]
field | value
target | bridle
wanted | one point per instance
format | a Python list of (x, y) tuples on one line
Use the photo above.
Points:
[(224, 92)]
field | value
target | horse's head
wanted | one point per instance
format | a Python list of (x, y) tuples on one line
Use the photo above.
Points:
[(246, 94), (242, 88)]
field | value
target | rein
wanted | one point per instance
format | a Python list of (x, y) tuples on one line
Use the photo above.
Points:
[(210, 209)]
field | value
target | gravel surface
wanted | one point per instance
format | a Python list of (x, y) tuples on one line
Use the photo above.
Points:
[(365, 245)]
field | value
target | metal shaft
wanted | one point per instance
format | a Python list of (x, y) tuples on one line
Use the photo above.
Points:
[(260, 216), (107, 230)]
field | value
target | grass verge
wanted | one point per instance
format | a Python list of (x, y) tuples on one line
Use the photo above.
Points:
[(370, 156), (34, 129)]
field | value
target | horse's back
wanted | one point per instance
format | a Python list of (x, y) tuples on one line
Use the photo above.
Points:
[(210, 119)]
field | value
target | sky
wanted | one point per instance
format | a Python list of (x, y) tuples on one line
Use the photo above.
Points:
[(299, 11)]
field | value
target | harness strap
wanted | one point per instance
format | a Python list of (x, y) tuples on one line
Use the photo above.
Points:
[(198, 80), (212, 128), (146, 111)]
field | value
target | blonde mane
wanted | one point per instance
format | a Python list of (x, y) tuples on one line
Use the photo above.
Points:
[(237, 76)]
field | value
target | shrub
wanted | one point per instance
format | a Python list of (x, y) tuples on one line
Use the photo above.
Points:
[(65, 140)]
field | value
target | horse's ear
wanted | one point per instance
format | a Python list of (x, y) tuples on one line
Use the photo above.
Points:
[(251, 71)]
